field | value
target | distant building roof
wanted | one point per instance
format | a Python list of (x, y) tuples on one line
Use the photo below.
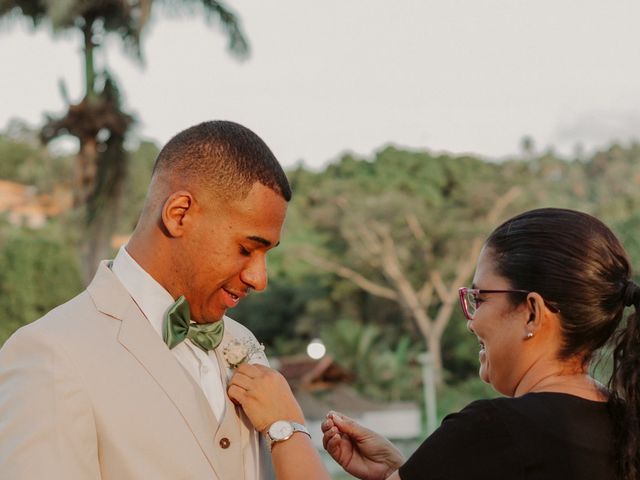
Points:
[(306, 373), (324, 385), (24, 206)]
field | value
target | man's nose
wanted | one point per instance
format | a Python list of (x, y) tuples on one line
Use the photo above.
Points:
[(255, 273)]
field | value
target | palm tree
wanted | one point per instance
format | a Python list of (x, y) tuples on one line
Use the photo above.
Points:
[(98, 120)]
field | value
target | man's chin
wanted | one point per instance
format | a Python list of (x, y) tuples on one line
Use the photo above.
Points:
[(210, 317)]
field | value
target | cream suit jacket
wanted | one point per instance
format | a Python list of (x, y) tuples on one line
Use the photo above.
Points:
[(90, 391)]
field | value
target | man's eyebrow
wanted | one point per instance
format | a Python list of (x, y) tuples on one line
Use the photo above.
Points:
[(261, 240)]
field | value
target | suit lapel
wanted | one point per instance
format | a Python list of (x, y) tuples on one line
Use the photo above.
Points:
[(139, 338), (232, 425), (256, 457)]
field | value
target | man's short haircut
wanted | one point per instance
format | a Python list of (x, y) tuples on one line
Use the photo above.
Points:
[(222, 156)]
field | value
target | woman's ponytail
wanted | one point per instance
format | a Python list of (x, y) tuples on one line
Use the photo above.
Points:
[(624, 387)]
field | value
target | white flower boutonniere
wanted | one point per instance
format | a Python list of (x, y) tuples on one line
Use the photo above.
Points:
[(237, 351)]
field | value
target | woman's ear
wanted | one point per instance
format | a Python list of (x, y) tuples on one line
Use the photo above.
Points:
[(535, 311), (175, 211)]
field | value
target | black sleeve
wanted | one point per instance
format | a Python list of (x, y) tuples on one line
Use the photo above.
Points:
[(471, 444)]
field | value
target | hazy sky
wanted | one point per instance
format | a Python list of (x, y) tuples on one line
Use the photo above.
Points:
[(325, 77)]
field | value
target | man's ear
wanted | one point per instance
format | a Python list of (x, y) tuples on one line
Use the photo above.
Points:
[(175, 212)]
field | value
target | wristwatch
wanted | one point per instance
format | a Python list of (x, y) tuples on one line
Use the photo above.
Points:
[(283, 430)]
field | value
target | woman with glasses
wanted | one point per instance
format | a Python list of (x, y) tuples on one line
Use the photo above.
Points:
[(548, 293)]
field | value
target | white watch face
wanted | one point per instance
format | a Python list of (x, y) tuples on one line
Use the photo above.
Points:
[(280, 430)]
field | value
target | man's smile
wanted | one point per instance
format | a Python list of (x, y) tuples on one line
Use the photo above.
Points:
[(232, 297)]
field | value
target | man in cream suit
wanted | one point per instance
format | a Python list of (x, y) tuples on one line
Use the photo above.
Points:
[(92, 391)]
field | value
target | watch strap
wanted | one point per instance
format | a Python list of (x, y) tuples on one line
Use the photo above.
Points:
[(296, 427)]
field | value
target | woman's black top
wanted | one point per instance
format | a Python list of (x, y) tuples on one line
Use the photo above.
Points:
[(537, 436)]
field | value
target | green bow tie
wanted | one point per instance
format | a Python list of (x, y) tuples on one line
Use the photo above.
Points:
[(177, 327)]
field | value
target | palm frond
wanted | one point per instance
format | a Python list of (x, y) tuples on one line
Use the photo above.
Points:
[(238, 44), (34, 10)]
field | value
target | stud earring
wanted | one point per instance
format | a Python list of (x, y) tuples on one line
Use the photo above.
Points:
[(530, 335)]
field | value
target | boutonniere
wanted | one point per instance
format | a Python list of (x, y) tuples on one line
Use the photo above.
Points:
[(239, 351)]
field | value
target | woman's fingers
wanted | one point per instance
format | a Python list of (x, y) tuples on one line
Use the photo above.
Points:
[(237, 394), (333, 435), (329, 434), (241, 381), (253, 377), (264, 394), (349, 426), (333, 446), (250, 370), (327, 424)]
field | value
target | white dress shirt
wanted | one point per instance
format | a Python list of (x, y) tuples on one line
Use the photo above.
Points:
[(153, 300)]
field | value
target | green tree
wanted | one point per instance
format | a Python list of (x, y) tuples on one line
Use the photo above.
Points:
[(407, 227), (39, 268), (38, 271), (383, 369), (138, 175), (527, 146), (24, 160), (614, 183)]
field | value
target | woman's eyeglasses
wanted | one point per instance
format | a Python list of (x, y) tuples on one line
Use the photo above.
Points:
[(469, 299)]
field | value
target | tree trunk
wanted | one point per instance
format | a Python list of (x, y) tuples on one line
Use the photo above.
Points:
[(96, 241), (89, 67), (433, 347), (103, 207), (85, 171), (95, 246)]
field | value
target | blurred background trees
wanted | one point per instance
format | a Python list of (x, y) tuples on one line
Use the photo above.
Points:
[(364, 238)]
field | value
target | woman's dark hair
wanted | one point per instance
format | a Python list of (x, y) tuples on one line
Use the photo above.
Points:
[(578, 265)]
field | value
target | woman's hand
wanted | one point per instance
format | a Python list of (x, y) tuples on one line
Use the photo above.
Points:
[(265, 396), (360, 451)]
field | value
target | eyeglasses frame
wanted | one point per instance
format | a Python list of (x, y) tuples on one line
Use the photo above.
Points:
[(463, 291)]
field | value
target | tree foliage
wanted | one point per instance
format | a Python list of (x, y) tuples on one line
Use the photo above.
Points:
[(384, 368), (40, 268), (38, 271), (407, 227)]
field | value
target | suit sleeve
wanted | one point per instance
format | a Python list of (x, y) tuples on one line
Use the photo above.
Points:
[(46, 420)]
